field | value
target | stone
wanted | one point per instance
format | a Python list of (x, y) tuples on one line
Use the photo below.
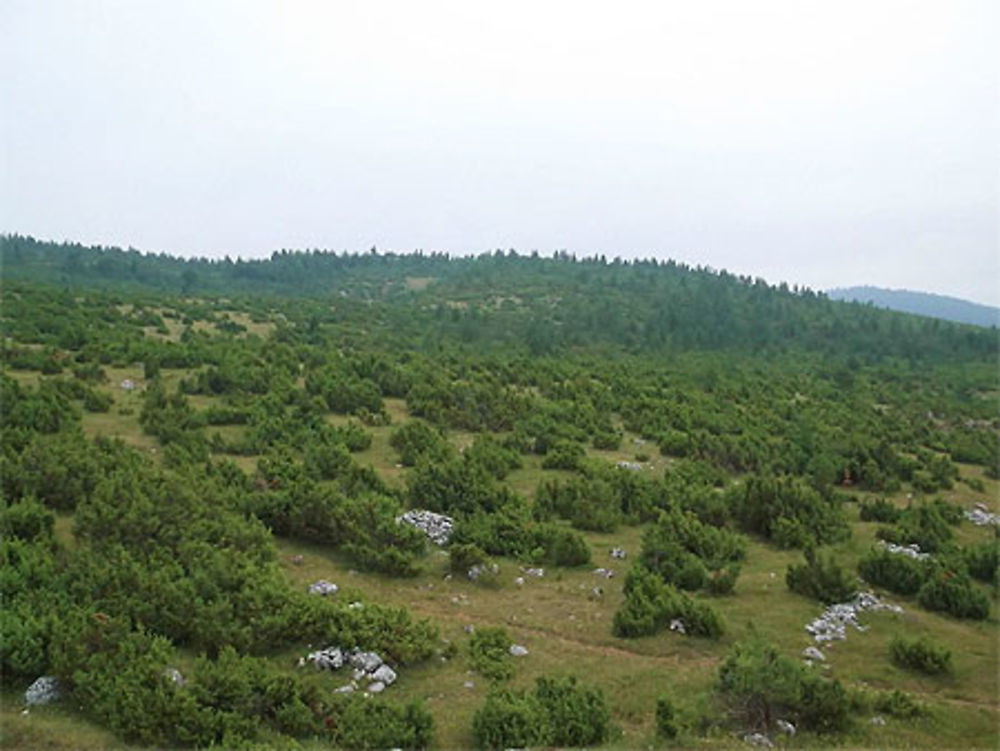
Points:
[(331, 658), (596, 593), (437, 527), (297, 560), (811, 653), (174, 676), (516, 650), (631, 466), (832, 625), (758, 739), (786, 727), (347, 688), (538, 573), (385, 674), (366, 661), (376, 688), (519, 581), (910, 551), (678, 625), (618, 553), (878, 720), (982, 518), (323, 587), (356, 606), (607, 573), (469, 628), (469, 684), (44, 690)]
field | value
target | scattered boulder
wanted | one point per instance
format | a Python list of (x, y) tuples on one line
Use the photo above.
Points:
[(832, 625), (331, 658), (519, 581), (910, 551), (758, 739), (516, 650), (678, 625), (538, 573), (981, 517), (437, 527), (44, 690), (631, 466), (811, 653), (477, 571), (618, 553), (323, 587), (596, 593), (607, 573), (376, 688), (878, 721), (366, 661), (356, 606), (384, 674), (174, 676), (347, 688), (786, 727)]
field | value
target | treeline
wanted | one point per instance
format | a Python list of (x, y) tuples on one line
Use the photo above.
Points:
[(541, 305)]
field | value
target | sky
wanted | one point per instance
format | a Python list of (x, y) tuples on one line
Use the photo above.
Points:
[(820, 143)]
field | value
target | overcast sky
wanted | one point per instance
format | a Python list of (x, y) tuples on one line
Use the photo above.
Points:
[(821, 143)]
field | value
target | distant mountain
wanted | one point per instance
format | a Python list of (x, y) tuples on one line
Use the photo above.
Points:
[(922, 304)]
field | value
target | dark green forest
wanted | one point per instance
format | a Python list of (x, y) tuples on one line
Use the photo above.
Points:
[(186, 442)]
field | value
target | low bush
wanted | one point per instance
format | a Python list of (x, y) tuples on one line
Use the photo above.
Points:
[(879, 510), (559, 712), (757, 686), (922, 655), (650, 605), (897, 573), (489, 653), (821, 578), (666, 724), (955, 594), (983, 561), (897, 703)]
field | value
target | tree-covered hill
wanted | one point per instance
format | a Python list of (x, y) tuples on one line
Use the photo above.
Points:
[(921, 304), (507, 299)]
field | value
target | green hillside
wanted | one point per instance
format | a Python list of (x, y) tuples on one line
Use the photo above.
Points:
[(187, 447)]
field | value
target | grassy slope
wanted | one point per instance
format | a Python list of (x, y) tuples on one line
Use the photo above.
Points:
[(568, 632)]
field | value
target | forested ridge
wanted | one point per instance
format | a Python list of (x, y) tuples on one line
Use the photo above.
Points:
[(507, 299), (641, 465)]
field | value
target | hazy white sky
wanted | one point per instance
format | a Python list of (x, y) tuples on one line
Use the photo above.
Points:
[(822, 143)]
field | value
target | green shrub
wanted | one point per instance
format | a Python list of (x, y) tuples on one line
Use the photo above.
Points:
[(462, 557), (897, 703), (97, 401), (897, 573), (879, 510), (926, 524), (356, 722), (415, 439), (577, 715), (559, 712), (983, 561), (564, 455), (821, 578), (757, 685), (510, 719), (27, 519), (489, 653), (922, 655), (650, 605), (666, 725), (954, 593)]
